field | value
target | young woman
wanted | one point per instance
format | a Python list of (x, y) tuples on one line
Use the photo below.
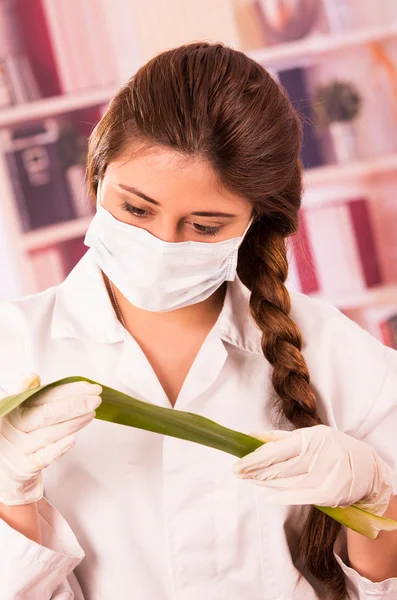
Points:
[(181, 301)]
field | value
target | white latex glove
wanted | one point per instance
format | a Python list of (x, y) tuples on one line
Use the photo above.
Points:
[(37, 433), (318, 465)]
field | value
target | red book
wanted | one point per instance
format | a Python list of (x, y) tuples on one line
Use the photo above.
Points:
[(47, 267), (38, 45), (343, 246), (302, 262), (365, 241), (386, 334), (72, 252)]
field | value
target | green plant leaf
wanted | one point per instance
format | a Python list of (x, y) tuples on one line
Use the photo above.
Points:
[(120, 408), (360, 520)]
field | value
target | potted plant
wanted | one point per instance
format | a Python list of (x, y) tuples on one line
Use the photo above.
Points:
[(337, 104)]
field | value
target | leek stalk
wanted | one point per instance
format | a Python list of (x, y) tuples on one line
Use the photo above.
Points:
[(120, 408)]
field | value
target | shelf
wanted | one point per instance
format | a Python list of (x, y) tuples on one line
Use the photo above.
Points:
[(377, 296), (50, 107), (337, 174), (61, 232), (317, 45)]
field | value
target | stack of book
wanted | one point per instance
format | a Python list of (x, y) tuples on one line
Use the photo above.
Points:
[(53, 263), (71, 46), (388, 329), (48, 184), (334, 252)]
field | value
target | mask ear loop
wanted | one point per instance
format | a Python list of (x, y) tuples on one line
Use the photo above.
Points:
[(242, 237), (234, 255), (98, 192)]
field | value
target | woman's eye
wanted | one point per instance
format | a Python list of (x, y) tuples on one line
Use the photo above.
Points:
[(134, 210), (205, 229)]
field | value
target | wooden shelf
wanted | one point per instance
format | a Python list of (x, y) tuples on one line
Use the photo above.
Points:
[(61, 232), (305, 48), (50, 107), (382, 295), (318, 45), (317, 178)]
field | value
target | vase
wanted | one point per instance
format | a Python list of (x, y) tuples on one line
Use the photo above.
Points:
[(338, 13), (344, 141), (287, 20)]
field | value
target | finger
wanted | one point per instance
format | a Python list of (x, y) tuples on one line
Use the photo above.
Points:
[(286, 498), (40, 438), (67, 390), (271, 436), (31, 418), (50, 454), (271, 453), (299, 497), (29, 382), (286, 470)]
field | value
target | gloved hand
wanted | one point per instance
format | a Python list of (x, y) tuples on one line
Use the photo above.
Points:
[(38, 432), (318, 465)]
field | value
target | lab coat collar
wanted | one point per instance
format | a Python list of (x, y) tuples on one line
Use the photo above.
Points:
[(237, 326), (83, 309)]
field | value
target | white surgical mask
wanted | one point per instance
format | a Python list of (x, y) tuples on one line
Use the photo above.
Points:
[(155, 275)]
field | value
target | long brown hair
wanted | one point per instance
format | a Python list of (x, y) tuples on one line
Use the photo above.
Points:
[(210, 101)]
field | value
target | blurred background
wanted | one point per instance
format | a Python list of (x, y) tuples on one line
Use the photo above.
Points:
[(62, 60)]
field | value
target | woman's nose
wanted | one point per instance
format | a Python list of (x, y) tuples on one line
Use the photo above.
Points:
[(168, 230)]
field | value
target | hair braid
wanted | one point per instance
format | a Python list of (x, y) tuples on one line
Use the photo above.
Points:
[(270, 306)]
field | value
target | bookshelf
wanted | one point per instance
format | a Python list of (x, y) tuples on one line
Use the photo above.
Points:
[(315, 46), (380, 170), (57, 105), (292, 52), (361, 169), (382, 295), (54, 234)]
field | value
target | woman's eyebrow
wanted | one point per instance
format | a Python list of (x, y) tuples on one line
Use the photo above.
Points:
[(201, 213), (135, 191), (212, 214)]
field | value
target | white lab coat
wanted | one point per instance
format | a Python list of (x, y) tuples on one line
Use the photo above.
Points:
[(160, 518)]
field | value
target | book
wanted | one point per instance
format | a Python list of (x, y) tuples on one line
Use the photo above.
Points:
[(381, 322), (37, 174), (38, 45), (48, 268), (82, 205), (162, 25), (343, 246), (294, 83), (15, 69), (95, 36), (72, 251), (389, 331), (303, 276), (249, 24), (5, 92), (339, 15), (78, 35), (121, 33)]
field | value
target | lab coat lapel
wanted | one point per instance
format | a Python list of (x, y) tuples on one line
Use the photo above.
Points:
[(135, 372), (204, 370)]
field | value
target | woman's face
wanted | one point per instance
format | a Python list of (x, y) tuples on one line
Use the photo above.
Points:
[(175, 199)]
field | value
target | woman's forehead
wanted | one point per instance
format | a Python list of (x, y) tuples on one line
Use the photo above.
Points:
[(168, 176)]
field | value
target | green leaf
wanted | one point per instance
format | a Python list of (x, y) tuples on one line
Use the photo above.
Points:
[(120, 408), (360, 520)]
